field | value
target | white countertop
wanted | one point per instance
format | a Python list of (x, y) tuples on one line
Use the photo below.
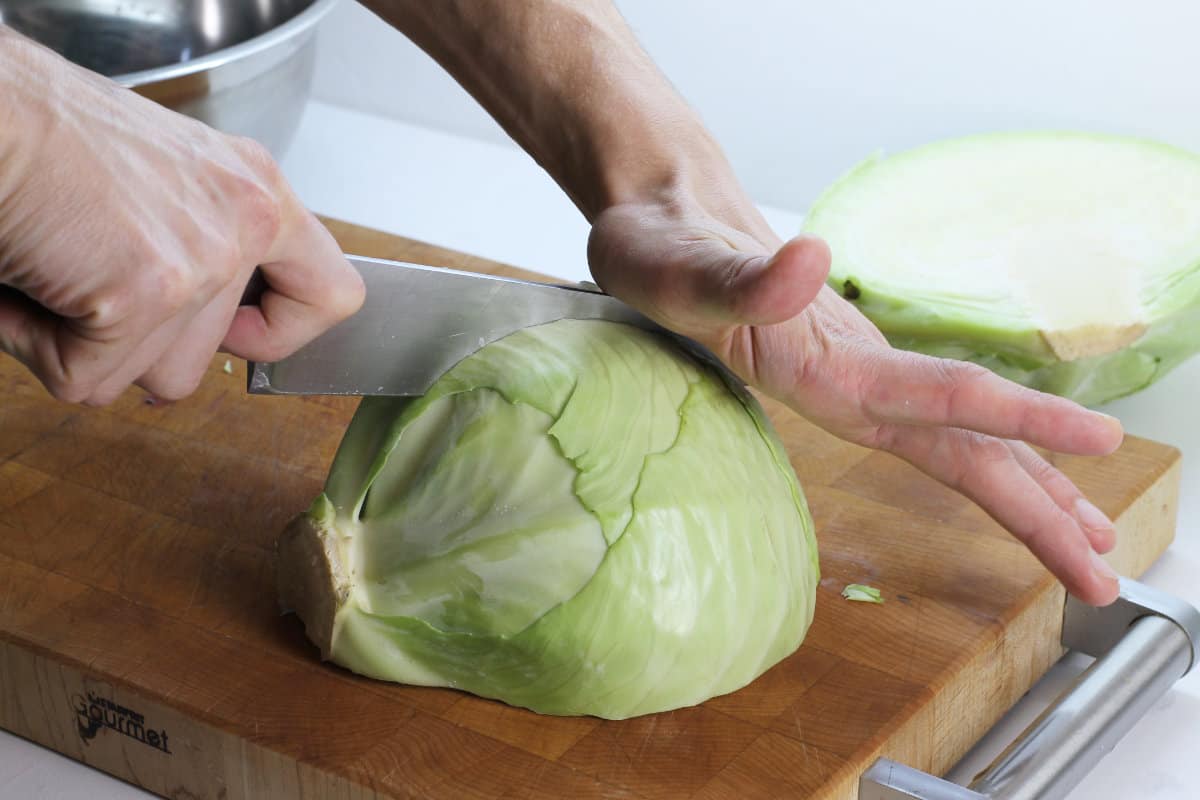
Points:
[(494, 201)]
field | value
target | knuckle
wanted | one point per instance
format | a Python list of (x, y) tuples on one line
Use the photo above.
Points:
[(989, 451), (175, 386), (273, 349), (956, 371), (65, 392), (729, 274), (1052, 526), (975, 457), (257, 155), (744, 305), (349, 296), (1052, 479), (862, 370), (111, 306), (171, 286), (1042, 470), (226, 263), (261, 215), (69, 373), (954, 378), (259, 189), (101, 398), (883, 437), (230, 271)]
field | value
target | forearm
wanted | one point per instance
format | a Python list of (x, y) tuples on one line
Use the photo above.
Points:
[(569, 82), (35, 97), (15, 114)]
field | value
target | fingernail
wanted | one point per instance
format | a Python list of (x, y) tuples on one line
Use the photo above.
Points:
[(1112, 421), (1091, 517), (1101, 567)]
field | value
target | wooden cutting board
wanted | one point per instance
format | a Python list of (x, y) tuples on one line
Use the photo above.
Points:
[(139, 631)]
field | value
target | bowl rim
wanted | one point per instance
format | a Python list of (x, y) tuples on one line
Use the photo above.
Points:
[(294, 27)]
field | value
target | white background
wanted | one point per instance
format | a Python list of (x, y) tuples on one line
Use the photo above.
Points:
[(796, 92), (799, 91)]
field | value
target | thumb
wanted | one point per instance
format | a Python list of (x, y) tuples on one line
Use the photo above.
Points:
[(767, 290), (698, 285)]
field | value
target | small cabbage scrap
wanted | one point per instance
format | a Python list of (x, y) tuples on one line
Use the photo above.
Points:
[(577, 519), (1069, 262), (862, 593)]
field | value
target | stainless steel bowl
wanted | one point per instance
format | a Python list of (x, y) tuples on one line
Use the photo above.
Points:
[(242, 66)]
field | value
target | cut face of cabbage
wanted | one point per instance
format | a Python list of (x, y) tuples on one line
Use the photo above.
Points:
[(577, 519), (1069, 262)]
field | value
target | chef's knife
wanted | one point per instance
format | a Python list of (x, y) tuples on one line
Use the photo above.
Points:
[(419, 321)]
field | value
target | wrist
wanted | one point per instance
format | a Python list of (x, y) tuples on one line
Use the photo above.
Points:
[(620, 133), (656, 161), (26, 83), (13, 115), (688, 179)]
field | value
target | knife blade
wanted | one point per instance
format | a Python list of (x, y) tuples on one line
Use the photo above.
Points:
[(418, 321)]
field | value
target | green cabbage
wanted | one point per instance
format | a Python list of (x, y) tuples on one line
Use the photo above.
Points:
[(577, 519), (1068, 262)]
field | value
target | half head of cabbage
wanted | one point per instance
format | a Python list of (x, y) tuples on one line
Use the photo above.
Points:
[(1068, 262), (578, 519)]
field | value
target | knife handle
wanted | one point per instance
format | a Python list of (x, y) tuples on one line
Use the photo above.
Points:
[(251, 296), (255, 288), (1142, 644)]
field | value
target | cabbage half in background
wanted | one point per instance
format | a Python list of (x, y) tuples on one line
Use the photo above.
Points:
[(1067, 262), (578, 519)]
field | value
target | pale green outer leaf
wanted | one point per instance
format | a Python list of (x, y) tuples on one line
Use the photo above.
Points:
[(578, 519)]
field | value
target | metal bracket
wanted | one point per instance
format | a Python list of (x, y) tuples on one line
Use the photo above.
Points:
[(1095, 631), (1142, 644)]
